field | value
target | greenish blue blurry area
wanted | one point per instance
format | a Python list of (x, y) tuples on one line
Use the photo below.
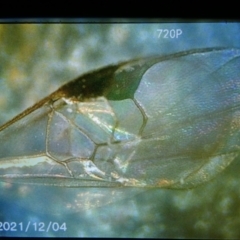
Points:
[(36, 59)]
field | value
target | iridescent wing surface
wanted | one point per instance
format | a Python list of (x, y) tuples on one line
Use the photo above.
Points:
[(169, 121)]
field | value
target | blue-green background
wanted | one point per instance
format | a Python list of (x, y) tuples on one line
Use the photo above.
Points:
[(35, 59)]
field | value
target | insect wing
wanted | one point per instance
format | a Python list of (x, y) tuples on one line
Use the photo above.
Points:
[(168, 121)]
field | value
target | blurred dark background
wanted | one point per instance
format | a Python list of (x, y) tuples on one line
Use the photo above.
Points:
[(36, 59)]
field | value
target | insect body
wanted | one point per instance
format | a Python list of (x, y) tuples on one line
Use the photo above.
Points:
[(170, 121)]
